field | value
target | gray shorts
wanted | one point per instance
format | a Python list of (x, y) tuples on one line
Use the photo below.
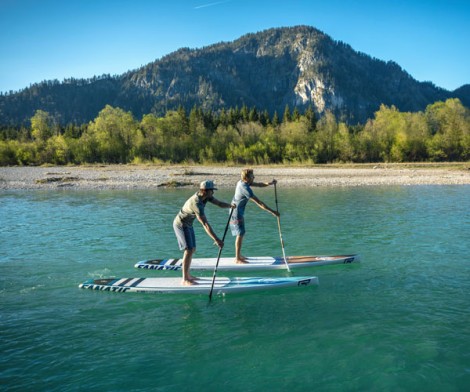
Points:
[(185, 236), (237, 227)]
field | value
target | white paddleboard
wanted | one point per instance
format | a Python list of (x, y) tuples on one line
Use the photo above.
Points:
[(222, 285), (254, 263)]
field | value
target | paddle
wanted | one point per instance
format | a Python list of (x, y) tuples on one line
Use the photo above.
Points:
[(279, 226), (218, 256)]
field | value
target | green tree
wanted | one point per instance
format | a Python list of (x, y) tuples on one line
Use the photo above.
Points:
[(296, 114), (264, 118), (449, 123), (287, 115), (182, 119), (250, 132), (233, 116), (179, 142), (296, 142), (223, 137), (200, 136), (311, 118), (275, 121), (367, 146), (326, 149), (41, 126), (115, 133), (245, 113), (387, 124), (271, 137), (223, 117), (56, 151), (344, 144), (8, 153), (253, 116), (410, 142), (152, 144)]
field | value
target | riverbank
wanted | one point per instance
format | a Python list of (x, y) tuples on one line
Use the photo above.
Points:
[(153, 176)]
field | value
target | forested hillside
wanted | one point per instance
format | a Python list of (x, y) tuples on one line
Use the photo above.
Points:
[(300, 67)]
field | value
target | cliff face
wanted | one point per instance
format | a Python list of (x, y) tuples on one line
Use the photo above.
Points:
[(298, 66)]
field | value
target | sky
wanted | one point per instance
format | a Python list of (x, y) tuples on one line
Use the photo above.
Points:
[(58, 39)]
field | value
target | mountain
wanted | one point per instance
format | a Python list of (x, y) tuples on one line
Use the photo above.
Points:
[(296, 66), (463, 93)]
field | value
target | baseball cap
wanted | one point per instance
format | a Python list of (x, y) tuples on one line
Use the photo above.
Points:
[(207, 185)]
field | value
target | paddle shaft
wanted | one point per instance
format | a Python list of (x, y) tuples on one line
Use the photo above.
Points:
[(220, 253), (279, 227)]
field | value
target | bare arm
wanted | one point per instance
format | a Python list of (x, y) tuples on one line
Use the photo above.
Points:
[(263, 184), (209, 231), (221, 204), (263, 206)]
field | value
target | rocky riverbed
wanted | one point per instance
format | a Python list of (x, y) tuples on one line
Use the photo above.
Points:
[(152, 177)]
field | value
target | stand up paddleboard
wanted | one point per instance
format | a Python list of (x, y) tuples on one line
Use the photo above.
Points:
[(254, 263), (173, 285)]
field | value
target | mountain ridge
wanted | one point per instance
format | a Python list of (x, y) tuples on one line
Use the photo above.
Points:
[(297, 66)]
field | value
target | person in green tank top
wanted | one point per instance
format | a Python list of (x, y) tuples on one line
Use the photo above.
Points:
[(183, 225)]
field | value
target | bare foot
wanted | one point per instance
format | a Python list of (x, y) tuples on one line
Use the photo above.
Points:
[(241, 260), (188, 282)]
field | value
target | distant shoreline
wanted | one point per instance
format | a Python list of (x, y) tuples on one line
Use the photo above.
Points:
[(189, 176)]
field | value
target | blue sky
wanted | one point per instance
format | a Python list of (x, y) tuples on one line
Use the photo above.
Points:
[(57, 39)]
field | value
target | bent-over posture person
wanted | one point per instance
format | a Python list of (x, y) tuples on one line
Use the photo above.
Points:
[(243, 193), (183, 225)]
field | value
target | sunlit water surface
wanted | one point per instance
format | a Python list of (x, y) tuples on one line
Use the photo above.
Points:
[(398, 321)]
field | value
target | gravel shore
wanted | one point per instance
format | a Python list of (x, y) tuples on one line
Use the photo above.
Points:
[(151, 177)]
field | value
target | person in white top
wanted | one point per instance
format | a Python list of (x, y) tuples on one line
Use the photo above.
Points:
[(243, 193)]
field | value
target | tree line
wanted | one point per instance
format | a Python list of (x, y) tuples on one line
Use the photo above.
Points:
[(242, 136)]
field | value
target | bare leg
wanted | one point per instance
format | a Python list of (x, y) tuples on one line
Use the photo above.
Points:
[(188, 279), (238, 248)]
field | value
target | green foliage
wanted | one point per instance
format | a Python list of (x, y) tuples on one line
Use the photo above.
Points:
[(450, 127), (8, 153), (57, 150), (326, 139), (243, 136), (41, 126), (112, 136)]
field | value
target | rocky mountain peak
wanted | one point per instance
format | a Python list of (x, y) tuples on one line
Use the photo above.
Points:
[(297, 66)]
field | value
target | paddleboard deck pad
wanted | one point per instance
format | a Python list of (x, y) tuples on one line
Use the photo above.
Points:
[(222, 285), (253, 263)]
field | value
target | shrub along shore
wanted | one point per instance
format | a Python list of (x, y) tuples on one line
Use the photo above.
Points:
[(439, 134), (189, 176)]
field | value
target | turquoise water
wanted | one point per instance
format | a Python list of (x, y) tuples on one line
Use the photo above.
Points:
[(398, 321)]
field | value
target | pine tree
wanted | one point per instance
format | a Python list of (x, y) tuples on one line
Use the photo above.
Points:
[(287, 116)]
